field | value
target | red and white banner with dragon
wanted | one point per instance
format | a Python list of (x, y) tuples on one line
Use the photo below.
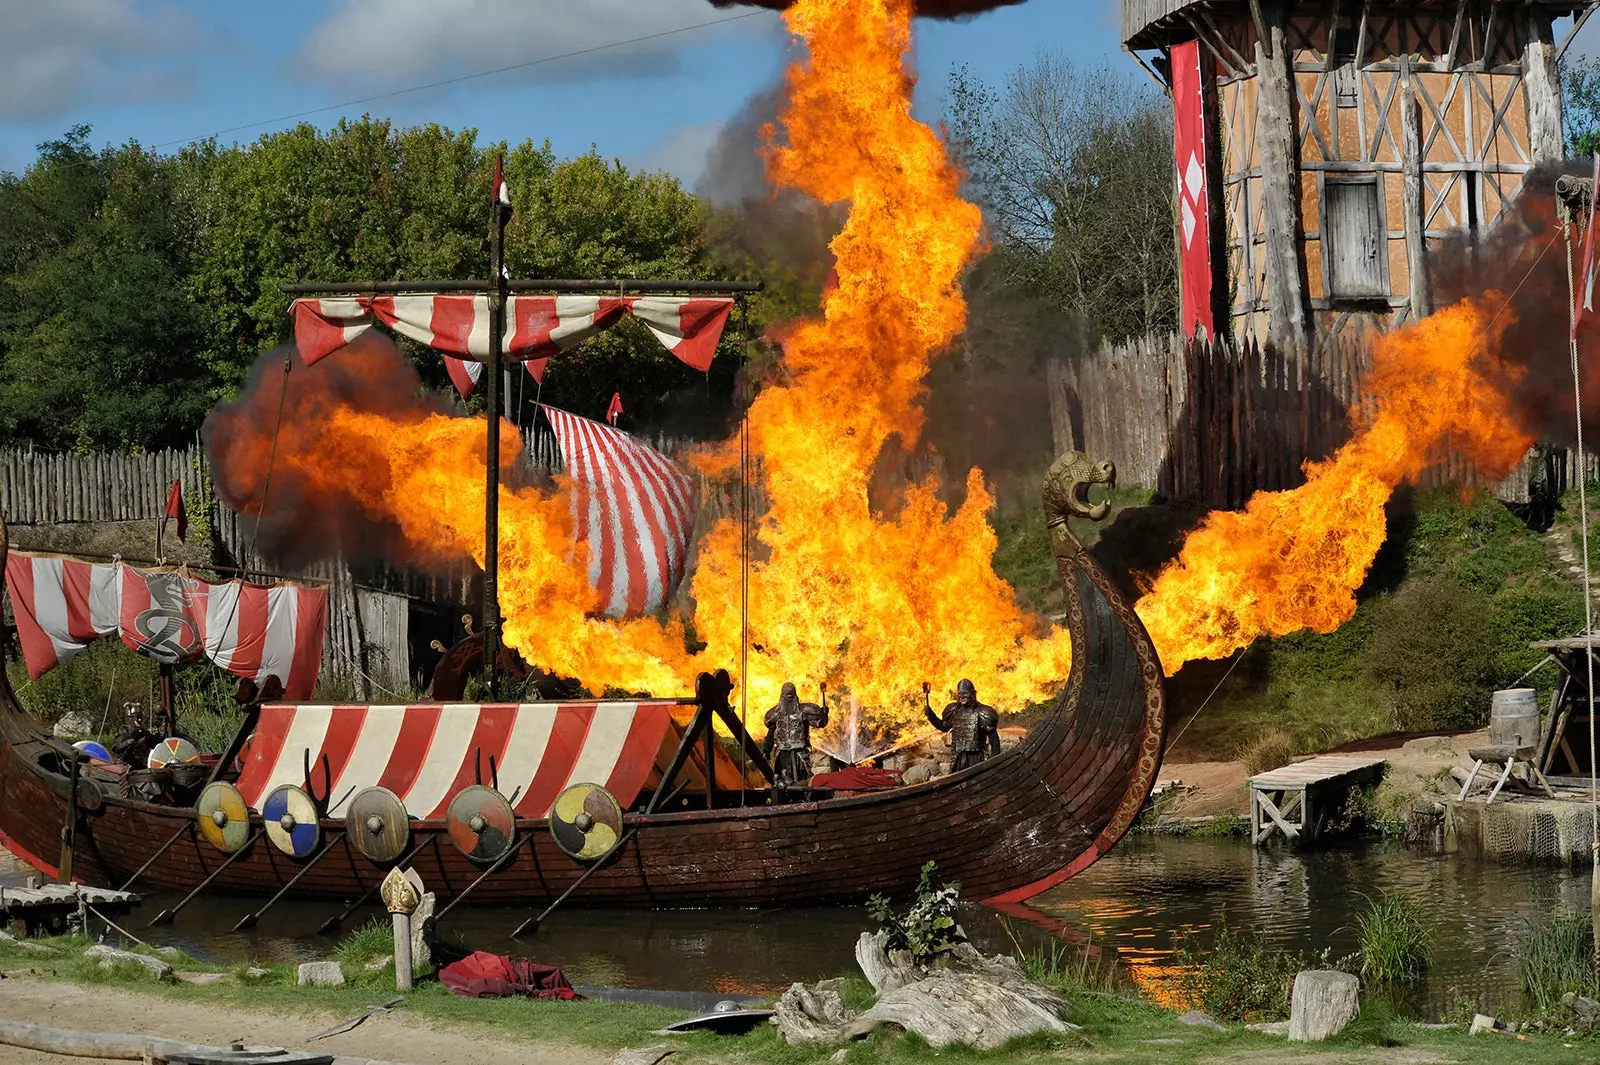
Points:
[(252, 630), (537, 327)]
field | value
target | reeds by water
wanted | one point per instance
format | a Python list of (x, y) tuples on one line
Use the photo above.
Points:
[(1557, 956), (1395, 942)]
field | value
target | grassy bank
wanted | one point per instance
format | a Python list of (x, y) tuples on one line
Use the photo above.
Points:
[(1458, 590), (1115, 1024)]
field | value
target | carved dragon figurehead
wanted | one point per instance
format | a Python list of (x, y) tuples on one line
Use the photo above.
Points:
[(1066, 495)]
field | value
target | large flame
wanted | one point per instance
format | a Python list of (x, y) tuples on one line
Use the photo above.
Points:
[(1293, 560)]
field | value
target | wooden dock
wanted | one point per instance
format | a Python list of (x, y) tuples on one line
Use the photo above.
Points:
[(1299, 799), (46, 908)]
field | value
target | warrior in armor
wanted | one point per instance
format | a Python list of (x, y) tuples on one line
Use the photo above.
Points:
[(789, 726), (134, 742), (972, 726)]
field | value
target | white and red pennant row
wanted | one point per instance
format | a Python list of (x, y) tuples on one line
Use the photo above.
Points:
[(252, 630), (427, 754), (537, 327)]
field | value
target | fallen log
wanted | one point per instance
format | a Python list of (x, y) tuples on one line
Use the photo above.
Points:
[(149, 1048)]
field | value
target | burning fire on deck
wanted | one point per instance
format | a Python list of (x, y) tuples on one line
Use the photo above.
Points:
[(871, 601)]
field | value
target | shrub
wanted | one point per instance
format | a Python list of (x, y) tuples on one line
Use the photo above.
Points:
[(1394, 941), (1428, 646), (1242, 978), (1268, 749), (928, 927), (1557, 956)]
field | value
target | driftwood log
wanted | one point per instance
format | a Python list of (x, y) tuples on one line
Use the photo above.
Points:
[(148, 1048), (967, 998)]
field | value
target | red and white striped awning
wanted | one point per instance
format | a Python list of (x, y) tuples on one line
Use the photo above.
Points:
[(252, 630), (427, 754), (537, 327), (633, 506)]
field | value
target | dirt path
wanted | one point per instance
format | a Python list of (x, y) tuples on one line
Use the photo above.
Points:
[(392, 1037)]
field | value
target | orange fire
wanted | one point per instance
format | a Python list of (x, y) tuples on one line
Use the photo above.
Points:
[(1293, 560)]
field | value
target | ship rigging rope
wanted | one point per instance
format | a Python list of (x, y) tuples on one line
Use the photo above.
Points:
[(1583, 526)]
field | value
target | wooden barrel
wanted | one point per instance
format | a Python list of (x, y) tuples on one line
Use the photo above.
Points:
[(1514, 718)]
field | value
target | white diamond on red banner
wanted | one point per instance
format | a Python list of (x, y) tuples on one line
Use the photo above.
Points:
[(1194, 177), (1188, 223)]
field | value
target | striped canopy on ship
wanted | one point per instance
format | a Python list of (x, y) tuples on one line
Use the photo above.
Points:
[(537, 327), (633, 507), (252, 630), (426, 754)]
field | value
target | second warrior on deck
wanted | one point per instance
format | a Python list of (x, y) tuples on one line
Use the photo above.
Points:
[(972, 726), (789, 726)]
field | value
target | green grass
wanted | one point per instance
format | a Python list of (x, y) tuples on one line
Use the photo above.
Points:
[(1241, 977), (1395, 942), (1557, 956), (1115, 1027)]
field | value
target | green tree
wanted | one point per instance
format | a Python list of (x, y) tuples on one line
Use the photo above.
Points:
[(1580, 104), (98, 341)]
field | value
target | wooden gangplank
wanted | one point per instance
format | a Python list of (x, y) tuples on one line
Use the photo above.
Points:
[(1298, 799), (45, 907)]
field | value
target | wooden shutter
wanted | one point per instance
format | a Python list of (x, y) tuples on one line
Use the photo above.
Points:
[(1353, 228)]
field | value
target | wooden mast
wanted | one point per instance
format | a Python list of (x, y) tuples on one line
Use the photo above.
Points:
[(491, 372)]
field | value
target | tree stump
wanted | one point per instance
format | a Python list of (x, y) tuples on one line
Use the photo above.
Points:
[(1324, 1003), (812, 1016)]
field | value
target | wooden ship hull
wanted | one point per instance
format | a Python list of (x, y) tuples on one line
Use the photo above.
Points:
[(1008, 828)]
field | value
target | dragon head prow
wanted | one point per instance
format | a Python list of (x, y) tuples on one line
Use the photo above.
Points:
[(1066, 495)]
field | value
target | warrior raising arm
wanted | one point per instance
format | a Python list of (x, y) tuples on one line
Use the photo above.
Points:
[(974, 727), (789, 726)]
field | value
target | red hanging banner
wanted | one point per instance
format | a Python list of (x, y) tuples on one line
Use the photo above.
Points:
[(1194, 230)]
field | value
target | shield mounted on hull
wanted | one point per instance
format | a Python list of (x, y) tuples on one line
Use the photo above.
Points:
[(482, 823), (377, 822), (586, 821), (224, 818), (290, 818)]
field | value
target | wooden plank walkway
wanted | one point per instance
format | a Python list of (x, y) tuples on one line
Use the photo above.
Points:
[(41, 906), (1294, 799)]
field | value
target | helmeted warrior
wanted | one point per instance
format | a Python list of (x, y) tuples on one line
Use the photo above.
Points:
[(974, 728), (789, 726)]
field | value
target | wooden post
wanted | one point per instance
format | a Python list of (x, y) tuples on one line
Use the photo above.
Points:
[(1416, 221), (401, 898), (491, 376), (1280, 190), (1542, 83)]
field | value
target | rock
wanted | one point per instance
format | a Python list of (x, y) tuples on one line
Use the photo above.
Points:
[(1202, 1019), (920, 773), (110, 956), (254, 973), (812, 1016), (644, 1055), (319, 974), (1269, 1027), (168, 952), (1480, 1023), (199, 979), (1323, 1003), (838, 1057), (1428, 745), (422, 933), (380, 964), (27, 944), (1586, 1008), (73, 725)]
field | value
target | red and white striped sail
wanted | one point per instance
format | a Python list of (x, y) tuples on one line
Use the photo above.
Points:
[(252, 630), (427, 754), (634, 508), (537, 327)]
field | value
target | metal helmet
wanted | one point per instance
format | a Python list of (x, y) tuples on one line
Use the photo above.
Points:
[(965, 687)]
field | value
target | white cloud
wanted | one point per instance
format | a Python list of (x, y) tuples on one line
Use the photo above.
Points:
[(682, 152), (56, 55), (388, 44)]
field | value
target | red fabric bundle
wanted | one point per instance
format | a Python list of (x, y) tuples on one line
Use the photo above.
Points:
[(857, 778), (485, 975)]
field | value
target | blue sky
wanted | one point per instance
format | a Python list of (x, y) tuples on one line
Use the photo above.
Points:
[(164, 73)]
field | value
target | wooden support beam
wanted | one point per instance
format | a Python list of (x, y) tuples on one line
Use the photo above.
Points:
[(1455, 35), (1416, 238), (1280, 192), (1577, 26), (1148, 70), (1261, 27), (1222, 39), (1541, 83), (1200, 36), (1333, 35)]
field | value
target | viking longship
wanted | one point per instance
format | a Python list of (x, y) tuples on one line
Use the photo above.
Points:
[(635, 802), (520, 802)]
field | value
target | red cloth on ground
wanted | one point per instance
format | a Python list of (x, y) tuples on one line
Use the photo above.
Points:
[(857, 778), (485, 975)]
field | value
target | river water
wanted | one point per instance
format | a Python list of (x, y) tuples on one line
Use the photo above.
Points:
[(1137, 905)]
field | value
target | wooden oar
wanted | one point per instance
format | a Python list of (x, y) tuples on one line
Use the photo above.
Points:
[(500, 863), (166, 916), (335, 921), (69, 831), (249, 920), (535, 922), (188, 826)]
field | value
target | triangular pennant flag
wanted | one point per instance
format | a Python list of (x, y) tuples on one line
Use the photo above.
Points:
[(175, 509), (615, 409), (1585, 294), (500, 194)]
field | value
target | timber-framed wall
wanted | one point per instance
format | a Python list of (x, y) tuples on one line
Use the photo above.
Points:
[(1361, 131)]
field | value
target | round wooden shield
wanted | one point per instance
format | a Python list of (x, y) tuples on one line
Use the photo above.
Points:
[(290, 818), (94, 750), (586, 821), (224, 818), (481, 823), (377, 823), (173, 750)]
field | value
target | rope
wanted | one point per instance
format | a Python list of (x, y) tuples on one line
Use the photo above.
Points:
[(1588, 597), (1236, 660)]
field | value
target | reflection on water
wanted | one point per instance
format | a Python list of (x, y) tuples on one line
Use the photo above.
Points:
[(1142, 899), (1137, 904)]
